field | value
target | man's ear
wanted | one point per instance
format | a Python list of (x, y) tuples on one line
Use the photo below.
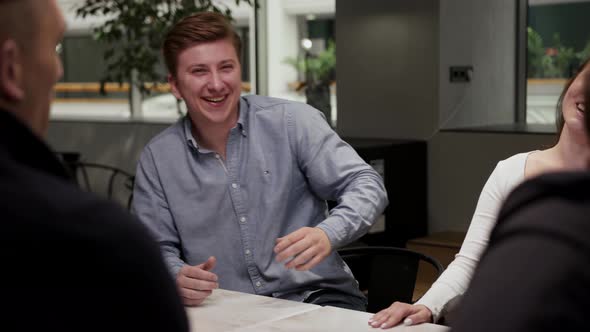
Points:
[(173, 86), (11, 71)]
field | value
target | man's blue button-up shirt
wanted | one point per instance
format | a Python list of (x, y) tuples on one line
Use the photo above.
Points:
[(282, 163)]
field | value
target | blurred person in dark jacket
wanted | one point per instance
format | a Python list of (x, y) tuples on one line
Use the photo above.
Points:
[(70, 261)]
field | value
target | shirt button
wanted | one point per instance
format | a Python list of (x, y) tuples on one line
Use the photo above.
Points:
[(247, 251), (234, 185), (242, 219), (258, 284), (217, 156)]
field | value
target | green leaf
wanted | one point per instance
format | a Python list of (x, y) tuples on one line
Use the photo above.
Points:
[(108, 54), (134, 32)]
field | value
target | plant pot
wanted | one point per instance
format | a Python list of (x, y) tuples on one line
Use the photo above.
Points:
[(135, 97)]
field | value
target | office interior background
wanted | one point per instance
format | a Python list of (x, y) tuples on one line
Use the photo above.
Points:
[(476, 80)]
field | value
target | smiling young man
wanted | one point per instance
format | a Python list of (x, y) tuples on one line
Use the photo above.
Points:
[(235, 192), (71, 261)]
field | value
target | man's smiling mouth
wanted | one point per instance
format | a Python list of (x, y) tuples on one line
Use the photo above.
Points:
[(215, 99)]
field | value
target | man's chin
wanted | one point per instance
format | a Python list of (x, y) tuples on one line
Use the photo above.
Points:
[(214, 116), (219, 115)]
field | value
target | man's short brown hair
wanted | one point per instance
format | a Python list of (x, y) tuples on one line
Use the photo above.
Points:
[(198, 28)]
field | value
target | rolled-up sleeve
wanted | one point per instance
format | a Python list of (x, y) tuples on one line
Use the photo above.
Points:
[(151, 207), (336, 172)]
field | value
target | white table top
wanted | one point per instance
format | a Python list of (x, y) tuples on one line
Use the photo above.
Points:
[(233, 311)]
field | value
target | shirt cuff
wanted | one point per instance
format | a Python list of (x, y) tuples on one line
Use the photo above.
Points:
[(434, 309), (332, 226)]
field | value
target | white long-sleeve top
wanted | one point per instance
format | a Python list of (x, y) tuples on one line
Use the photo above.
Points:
[(451, 285)]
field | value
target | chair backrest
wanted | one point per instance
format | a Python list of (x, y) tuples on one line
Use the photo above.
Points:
[(107, 181), (386, 274)]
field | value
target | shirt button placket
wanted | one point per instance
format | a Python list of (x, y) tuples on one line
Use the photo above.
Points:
[(251, 266)]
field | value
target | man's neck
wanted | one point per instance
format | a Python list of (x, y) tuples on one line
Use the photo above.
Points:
[(213, 136), (7, 106), (17, 111)]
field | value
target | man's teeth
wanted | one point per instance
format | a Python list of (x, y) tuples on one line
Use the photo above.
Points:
[(215, 100), (581, 107)]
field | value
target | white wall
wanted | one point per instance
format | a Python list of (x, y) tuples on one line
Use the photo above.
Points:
[(387, 68), (459, 164), (384, 79), (283, 42), (380, 97), (478, 33)]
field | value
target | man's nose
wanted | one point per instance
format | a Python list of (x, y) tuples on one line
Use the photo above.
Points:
[(215, 83)]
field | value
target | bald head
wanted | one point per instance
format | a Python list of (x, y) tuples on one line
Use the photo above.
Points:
[(13, 24), (29, 66)]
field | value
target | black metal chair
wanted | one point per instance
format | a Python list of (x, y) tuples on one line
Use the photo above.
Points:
[(105, 180), (386, 274)]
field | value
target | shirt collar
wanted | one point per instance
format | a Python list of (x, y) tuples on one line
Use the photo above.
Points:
[(242, 124), (243, 117), (188, 134)]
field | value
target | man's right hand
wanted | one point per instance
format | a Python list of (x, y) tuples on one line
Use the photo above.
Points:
[(195, 283)]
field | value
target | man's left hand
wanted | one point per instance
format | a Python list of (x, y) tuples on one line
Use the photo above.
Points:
[(308, 246)]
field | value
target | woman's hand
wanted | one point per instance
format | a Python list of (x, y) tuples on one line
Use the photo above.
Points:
[(398, 311)]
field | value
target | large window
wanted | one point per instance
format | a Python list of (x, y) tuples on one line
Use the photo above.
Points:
[(300, 32), (287, 29), (79, 94), (313, 60), (558, 40)]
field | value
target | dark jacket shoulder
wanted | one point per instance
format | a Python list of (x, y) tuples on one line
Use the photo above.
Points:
[(71, 260)]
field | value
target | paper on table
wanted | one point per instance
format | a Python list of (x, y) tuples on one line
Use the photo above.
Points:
[(228, 310), (328, 319)]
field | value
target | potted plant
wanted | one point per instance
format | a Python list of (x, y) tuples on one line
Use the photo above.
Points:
[(319, 73), (134, 30), (558, 61), (535, 52)]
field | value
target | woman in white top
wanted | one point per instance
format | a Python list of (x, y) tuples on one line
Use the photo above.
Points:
[(570, 153)]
